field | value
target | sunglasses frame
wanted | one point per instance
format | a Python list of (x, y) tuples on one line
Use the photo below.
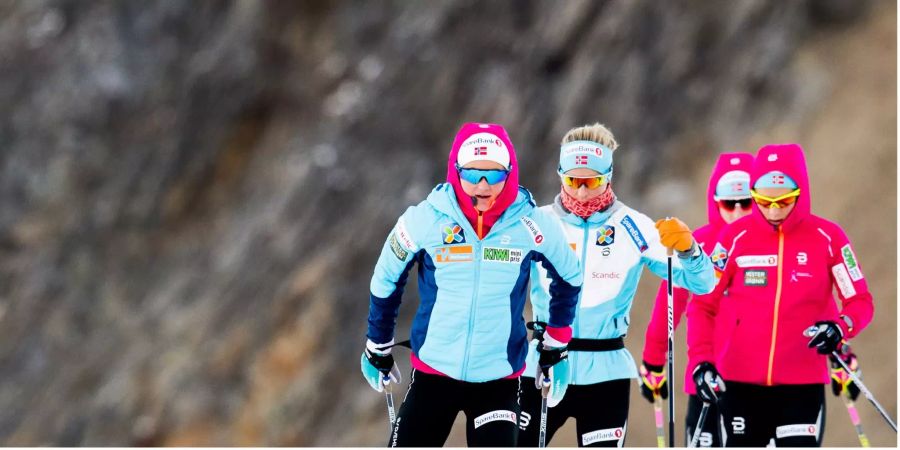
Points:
[(603, 177), (485, 174), (777, 201)]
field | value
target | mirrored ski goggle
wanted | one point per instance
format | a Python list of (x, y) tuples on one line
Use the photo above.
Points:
[(588, 182), (782, 201), (730, 205), (474, 176)]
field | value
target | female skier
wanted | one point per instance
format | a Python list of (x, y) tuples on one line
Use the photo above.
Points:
[(474, 239), (781, 264), (727, 199), (614, 243)]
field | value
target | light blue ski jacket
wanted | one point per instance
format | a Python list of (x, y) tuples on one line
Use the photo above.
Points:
[(472, 292), (614, 246)]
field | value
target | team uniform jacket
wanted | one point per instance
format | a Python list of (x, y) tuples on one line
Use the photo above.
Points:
[(472, 291), (614, 246), (657, 337), (779, 282)]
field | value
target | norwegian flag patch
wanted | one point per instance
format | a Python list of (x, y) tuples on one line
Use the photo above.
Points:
[(581, 160), (480, 151)]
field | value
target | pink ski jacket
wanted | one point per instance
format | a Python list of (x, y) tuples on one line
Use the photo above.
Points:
[(779, 281), (656, 339)]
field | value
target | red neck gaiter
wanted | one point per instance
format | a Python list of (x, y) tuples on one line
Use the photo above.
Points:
[(588, 208)]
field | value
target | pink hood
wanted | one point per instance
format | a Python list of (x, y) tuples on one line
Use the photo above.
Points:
[(510, 190), (787, 158), (726, 163)]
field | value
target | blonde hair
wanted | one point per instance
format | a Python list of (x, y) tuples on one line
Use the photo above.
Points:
[(596, 132)]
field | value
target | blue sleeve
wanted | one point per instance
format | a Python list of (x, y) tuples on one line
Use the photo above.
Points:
[(564, 271), (540, 299), (389, 280)]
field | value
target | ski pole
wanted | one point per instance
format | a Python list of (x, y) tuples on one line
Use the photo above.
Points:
[(389, 396), (866, 391), (810, 332), (545, 389), (854, 418), (660, 427), (700, 422), (671, 355)]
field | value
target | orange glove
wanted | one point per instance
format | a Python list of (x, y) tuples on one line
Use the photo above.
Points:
[(673, 233)]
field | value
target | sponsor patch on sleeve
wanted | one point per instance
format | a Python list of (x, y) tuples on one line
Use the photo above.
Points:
[(843, 281), (850, 262), (635, 234), (719, 257), (398, 250), (403, 237), (755, 277), (535, 231)]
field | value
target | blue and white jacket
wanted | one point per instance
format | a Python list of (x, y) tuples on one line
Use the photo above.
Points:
[(472, 292), (614, 246)]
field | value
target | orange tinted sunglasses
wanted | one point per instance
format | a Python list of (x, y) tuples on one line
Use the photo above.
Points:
[(590, 183), (782, 201)]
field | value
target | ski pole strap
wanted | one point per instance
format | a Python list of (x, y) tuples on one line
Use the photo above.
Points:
[(405, 343), (579, 344)]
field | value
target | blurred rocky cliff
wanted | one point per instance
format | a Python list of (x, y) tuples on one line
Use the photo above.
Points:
[(193, 194)]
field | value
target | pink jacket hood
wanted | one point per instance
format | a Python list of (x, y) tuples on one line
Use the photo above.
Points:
[(787, 158), (726, 163), (510, 190)]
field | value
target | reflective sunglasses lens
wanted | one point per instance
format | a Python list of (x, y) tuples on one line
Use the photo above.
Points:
[(745, 203), (474, 176), (590, 183)]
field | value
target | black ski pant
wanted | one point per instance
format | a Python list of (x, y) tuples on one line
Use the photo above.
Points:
[(433, 401), (710, 432), (752, 414), (600, 411)]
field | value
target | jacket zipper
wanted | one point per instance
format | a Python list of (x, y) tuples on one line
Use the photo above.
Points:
[(584, 245), (477, 255), (480, 223), (779, 269)]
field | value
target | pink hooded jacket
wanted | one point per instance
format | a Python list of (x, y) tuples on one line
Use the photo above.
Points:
[(780, 281), (507, 195), (656, 339)]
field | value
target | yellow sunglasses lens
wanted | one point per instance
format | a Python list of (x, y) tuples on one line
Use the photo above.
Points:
[(780, 202), (590, 183)]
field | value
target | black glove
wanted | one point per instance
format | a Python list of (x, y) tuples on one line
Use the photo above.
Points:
[(708, 381), (383, 363), (840, 380), (653, 382), (825, 337), (550, 356)]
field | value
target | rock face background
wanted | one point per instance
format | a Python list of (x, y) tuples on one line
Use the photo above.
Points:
[(193, 194)]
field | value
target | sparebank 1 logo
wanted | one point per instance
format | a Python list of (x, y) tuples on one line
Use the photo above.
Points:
[(453, 234)]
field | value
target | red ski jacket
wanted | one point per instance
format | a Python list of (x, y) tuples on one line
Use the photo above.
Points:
[(779, 281), (657, 336)]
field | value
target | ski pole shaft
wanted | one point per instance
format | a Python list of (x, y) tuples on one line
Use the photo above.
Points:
[(865, 391), (854, 418), (542, 434), (660, 426), (389, 397), (671, 354), (700, 422)]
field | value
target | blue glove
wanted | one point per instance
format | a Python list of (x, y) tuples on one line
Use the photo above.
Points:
[(378, 366), (553, 372)]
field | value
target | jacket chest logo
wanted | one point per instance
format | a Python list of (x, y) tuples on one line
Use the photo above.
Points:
[(757, 261), (503, 255), (452, 233), (802, 259), (755, 278), (606, 235)]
